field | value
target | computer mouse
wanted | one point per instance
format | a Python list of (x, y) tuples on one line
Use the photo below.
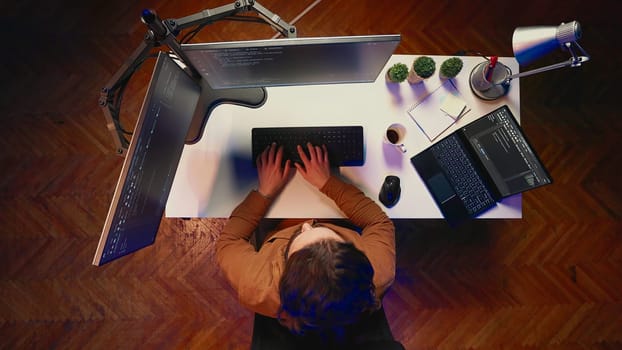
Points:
[(390, 191)]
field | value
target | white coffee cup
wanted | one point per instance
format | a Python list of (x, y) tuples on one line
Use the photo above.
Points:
[(395, 135)]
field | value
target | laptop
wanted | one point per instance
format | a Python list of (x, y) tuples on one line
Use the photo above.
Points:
[(476, 166)]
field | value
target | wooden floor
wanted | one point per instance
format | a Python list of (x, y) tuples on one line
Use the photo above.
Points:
[(552, 280)]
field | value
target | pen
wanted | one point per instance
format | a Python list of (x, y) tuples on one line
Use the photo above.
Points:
[(491, 67)]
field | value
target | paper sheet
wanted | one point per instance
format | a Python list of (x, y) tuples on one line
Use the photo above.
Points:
[(453, 105), (439, 110)]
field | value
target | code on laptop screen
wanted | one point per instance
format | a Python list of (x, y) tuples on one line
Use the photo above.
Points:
[(504, 150)]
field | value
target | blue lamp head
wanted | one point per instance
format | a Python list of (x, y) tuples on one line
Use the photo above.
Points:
[(531, 43)]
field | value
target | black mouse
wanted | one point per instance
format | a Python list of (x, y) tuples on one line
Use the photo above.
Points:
[(390, 191)]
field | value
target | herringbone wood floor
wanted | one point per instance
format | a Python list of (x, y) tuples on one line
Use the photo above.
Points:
[(551, 280)]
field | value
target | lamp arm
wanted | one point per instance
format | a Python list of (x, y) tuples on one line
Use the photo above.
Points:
[(574, 61), (540, 70)]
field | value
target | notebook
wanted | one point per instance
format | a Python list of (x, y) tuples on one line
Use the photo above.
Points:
[(439, 110), (476, 166)]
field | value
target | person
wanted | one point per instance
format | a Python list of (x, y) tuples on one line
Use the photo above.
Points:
[(314, 277)]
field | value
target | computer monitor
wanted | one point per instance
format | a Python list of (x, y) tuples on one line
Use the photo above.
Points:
[(151, 161), (174, 102), (292, 61)]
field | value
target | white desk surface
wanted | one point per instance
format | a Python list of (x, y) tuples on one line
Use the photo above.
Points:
[(215, 174)]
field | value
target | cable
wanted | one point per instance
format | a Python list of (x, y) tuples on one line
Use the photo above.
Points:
[(238, 18), (115, 106), (470, 52)]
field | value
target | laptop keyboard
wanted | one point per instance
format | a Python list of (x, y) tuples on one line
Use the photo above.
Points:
[(344, 143), (460, 172)]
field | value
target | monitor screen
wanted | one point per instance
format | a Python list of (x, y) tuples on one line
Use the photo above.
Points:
[(292, 61), (151, 162)]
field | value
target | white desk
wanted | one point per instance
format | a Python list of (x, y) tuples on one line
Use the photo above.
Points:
[(215, 174)]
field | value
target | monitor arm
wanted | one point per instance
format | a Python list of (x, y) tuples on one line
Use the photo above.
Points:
[(209, 16), (164, 32), (111, 95)]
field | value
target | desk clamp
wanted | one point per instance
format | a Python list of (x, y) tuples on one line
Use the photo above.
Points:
[(165, 32)]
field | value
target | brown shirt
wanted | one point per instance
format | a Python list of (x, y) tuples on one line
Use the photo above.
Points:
[(256, 275)]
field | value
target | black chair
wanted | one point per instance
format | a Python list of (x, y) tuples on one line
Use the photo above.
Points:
[(371, 333)]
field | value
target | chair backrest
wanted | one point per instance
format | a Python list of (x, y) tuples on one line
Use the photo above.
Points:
[(371, 333)]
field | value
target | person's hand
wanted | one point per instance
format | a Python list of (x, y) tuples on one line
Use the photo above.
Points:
[(315, 168), (272, 176)]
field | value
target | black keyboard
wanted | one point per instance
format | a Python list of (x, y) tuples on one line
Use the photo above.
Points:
[(345, 144), (461, 173)]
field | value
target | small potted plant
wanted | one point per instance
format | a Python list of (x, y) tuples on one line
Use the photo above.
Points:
[(423, 67), (397, 73), (450, 68)]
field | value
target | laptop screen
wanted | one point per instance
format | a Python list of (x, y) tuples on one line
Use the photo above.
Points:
[(503, 150), (151, 162), (292, 61)]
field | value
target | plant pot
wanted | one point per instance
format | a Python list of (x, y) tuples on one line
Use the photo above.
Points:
[(443, 76), (413, 78), (388, 78)]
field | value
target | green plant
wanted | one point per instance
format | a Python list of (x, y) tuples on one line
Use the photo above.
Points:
[(451, 67), (424, 66), (398, 72)]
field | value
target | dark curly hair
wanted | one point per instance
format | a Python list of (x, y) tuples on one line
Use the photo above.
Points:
[(325, 287)]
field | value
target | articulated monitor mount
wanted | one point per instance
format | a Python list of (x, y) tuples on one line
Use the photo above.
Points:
[(164, 32)]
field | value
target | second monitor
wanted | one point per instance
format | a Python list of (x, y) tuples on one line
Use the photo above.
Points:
[(294, 61)]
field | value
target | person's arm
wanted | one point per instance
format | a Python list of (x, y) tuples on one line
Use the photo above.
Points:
[(359, 208), (378, 231), (234, 252), (272, 177)]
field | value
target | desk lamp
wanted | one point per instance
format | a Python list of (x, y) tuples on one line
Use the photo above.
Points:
[(490, 80)]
